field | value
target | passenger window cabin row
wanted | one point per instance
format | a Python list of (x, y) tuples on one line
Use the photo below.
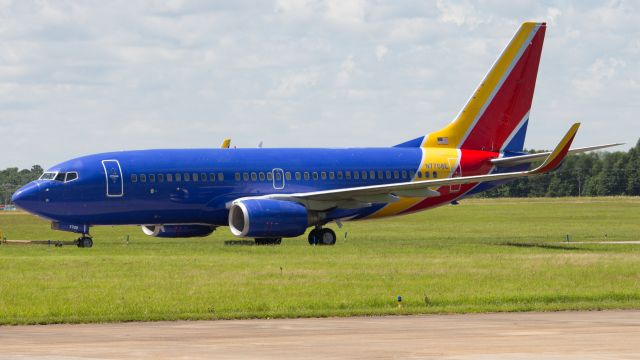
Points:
[(298, 175)]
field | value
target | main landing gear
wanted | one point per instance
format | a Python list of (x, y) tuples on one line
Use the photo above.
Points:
[(322, 236), (85, 241), (268, 241)]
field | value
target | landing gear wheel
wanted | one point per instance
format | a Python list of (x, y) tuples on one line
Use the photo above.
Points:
[(85, 242), (320, 236), (314, 237), (268, 241), (327, 237)]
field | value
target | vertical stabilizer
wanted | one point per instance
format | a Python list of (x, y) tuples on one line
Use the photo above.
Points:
[(496, 116)]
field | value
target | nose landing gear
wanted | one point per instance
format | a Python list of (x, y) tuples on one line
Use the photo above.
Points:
[(85, 241), (322, 236)]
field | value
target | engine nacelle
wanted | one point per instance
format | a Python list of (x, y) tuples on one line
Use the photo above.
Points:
[(264, 218), (177, 231)]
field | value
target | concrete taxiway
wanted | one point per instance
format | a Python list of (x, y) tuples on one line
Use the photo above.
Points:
[(554, 335)]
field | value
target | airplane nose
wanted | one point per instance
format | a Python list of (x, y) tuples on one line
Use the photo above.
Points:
[(26, 196)]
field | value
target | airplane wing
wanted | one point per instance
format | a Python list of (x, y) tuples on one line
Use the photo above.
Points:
[(355, 197), (529, 158)]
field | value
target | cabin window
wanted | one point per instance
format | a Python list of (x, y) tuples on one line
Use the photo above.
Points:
[(270, 176), (287, 176), (152, 178), (364, 174), (347, 175), (396, 174), (380, 175), (254, 176), (419, 175), (278, 176), (356, 175), (245, 176), (262, 176), (306, 175), (387, 174), (169, 177), (237, 176), (339, 175), (220, 176), (160, 177), (143, 178), (372, 175), (187, 177), (332, 175), (404, 174), (212, 177), (323, 175), (134, 178), (203, 177), (435, 174), (178, 177), (298, 175), (195, 177)]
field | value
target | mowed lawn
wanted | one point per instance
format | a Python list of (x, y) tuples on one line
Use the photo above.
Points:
[(479, 256)]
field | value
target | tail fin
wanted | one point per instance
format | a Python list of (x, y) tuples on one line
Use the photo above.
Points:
[(496, 116)]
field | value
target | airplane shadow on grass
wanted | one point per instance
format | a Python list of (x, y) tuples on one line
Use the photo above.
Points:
[(542, 246)]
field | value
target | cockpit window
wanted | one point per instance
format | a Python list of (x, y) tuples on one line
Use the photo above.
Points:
[(48, 176), (59, 176), (71, 176)]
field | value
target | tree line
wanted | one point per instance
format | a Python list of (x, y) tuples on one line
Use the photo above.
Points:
[(590, 174)]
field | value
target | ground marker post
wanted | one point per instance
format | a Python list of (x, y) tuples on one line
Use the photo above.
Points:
[(399, 302)]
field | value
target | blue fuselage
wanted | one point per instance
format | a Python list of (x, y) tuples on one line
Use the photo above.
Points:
[(195, 185)]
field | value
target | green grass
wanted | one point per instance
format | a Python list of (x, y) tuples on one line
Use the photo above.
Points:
[(479, 256)]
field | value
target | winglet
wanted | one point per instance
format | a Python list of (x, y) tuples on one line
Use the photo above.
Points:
[(225, 144), (559, 153)]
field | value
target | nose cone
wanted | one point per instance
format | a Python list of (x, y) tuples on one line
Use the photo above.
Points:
[(27, 197)]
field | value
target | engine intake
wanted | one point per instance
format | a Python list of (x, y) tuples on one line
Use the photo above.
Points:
[(177, 231), (263, 218)]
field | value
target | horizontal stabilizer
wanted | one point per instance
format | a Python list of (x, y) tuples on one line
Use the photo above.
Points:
[(529, 158)]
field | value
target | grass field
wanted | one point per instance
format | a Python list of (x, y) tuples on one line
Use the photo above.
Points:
[(479, 256)]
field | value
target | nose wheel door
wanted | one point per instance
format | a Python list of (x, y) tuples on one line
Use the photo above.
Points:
[(113, 175)]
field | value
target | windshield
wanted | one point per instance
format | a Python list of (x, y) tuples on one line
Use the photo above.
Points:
[(48, 176), (59, 176)]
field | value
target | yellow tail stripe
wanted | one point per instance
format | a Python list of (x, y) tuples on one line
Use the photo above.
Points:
[(456, 130)]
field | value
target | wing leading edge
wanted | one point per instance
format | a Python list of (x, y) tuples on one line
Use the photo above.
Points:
[(349, 198)]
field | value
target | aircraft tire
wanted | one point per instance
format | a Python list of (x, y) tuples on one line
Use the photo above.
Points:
[(314, 237), (85, 242), (327, 237)]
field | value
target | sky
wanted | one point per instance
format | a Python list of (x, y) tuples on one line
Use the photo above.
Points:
[(81, 77)]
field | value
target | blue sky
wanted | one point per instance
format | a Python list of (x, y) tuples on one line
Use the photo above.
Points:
[(91, 76)]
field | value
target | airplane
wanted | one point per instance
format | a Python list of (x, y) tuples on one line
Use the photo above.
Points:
[(274, 193)]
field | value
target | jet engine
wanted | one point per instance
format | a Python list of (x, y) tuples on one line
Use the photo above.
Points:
[(266, 218), (177, 231)]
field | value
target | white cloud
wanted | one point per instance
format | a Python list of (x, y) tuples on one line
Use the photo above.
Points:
[(381, 52), (347, 69), (597, 78), (292, 83), (343, 12), (129, 74)]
